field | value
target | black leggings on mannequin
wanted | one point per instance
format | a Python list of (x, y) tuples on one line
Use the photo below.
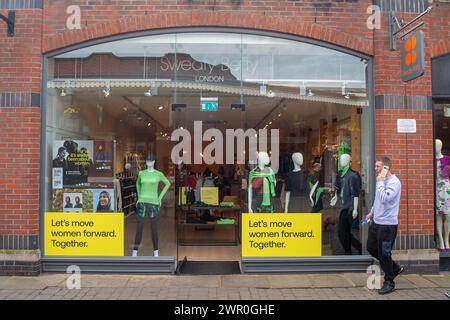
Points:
[(140, 228)]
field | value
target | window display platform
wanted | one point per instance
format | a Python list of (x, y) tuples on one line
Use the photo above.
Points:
[(197, 226)]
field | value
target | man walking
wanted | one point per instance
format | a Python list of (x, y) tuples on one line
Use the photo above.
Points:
[(384, 221)]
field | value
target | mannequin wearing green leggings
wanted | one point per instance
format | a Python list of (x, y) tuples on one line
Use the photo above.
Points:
[(149, 202)]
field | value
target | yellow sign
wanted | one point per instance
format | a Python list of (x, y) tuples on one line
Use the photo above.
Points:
[(282, 235), (210, 195), (84, 234)]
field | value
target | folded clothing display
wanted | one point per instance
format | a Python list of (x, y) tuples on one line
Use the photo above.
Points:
[(225, 221), (227, 204)]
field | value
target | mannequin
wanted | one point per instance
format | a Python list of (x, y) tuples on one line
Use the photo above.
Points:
[(442, 197), (296, 183), (149, 202), (261, 181), (316, 187), (348, 186)]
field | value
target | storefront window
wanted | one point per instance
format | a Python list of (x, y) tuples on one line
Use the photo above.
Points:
[(116, 108)]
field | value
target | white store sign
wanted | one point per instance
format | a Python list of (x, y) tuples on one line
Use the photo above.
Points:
[(406, 126)]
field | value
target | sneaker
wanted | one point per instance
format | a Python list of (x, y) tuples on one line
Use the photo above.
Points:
[(402, 268), (388, 287)]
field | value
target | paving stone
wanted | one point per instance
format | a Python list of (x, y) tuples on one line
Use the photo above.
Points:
[(245, 281), (419, 281), (21, 283), (193, 281), (329, 281), (442, 281), (147, 281), (289, 281)]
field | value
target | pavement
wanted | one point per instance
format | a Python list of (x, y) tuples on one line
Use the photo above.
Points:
[(314, 286)]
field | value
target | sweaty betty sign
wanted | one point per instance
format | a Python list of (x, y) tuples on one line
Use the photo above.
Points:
[(216, 70)]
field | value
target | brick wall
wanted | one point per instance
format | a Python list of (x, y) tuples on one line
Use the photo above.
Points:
[(20, 87)]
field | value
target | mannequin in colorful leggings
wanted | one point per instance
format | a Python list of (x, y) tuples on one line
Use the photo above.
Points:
[(149, 202), (442, 197), (261, 181)]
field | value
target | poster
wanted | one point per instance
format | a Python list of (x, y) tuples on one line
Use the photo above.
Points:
[(84, 200), (73, 202), (282, 235), (103, 200), (102, 159), (75, 159), (57, 178), (82, 234)]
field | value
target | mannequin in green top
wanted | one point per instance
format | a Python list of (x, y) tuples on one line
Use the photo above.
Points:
[(149, 202), (261, 186)]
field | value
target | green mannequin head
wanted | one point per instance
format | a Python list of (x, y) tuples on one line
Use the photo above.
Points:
[(344, 164)]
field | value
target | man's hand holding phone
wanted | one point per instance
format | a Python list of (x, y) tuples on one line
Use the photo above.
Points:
[(383, 174)]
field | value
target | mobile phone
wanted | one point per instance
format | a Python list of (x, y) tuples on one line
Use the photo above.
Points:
[(384, 171)]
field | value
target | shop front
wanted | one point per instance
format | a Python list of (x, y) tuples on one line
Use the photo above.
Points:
[(192, 135), (180, 148), (441, 104)]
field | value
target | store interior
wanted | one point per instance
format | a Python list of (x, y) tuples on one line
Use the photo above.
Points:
[(112, 93)]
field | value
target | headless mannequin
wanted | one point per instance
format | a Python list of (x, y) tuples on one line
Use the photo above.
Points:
[(153, 219), (443, 210), (263, 161), (297, 159), (348, 190)]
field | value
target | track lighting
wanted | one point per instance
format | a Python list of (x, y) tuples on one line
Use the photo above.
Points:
[(310, 94), (63, 93)]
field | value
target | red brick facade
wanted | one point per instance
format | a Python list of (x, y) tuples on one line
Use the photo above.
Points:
[(341, 23)]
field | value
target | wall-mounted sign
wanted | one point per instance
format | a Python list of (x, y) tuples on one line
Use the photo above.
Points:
[(406, 126), (209, 104), (413, 57)]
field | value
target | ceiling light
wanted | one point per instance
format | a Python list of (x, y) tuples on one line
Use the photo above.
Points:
[(270, 94), (148, 93), (181, 128), (347, 96), (279, 115), (310, 94), (149, 124), (107, 91), (160, 107), (125, 109), (63, 93)]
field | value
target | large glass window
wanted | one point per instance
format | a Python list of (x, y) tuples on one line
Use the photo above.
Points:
[(113, 107)]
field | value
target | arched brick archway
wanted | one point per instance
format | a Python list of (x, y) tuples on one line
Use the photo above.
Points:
[(194, 19)]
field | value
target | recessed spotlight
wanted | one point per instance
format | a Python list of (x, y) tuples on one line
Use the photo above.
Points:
[(160, 107), (347, 96), (107, 91), (148, 93), (125, 109), (181, 128), (149, 124)]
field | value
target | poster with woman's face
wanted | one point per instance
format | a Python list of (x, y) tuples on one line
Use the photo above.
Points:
[(75, 159), (104, 200), (103, 159), (73, 202)]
